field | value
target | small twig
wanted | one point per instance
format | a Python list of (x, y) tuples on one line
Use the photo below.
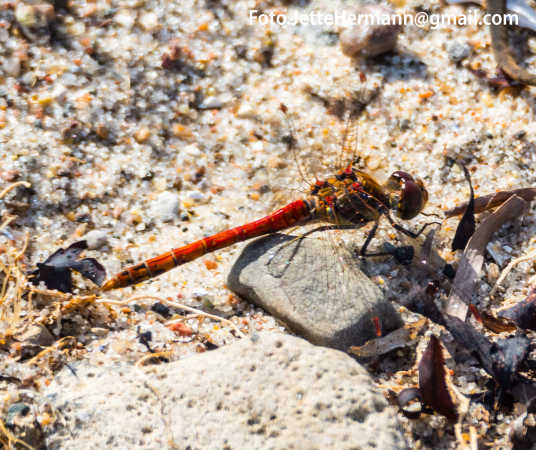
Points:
[(3, 295), (13, 186), (59, 294), (176, 305), (24, 247), (11, 438), (509, 268), (7, 222)]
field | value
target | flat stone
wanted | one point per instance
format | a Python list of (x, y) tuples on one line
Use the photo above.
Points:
[(315, 288), (267, 391)]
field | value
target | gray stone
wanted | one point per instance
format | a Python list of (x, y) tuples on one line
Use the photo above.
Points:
[(166, 207), (267, 391), (315, 288), (458, 51), (96, 239)]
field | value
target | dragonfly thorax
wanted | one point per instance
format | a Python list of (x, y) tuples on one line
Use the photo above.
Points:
[(353, 197)]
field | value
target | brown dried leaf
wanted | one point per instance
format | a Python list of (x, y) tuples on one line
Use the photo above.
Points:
[(492, 323), (466, 227), (493, 200), (432, 381), (379, 346), (497, 324), (473, 256)]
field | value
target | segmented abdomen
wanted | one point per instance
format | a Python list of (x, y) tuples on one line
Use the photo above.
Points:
[(285, 217)]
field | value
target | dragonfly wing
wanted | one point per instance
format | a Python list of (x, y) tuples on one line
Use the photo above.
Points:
[(319, 293)]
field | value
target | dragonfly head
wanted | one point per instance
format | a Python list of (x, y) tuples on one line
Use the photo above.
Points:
[(407, 195)]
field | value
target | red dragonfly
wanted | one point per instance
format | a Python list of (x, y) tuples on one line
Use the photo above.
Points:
[(347, 200)]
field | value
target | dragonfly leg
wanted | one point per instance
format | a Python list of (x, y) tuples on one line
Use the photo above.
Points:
[(407, 232), (370, 236), (403, 255)]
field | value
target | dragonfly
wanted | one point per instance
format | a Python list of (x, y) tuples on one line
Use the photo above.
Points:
[(348, 199)]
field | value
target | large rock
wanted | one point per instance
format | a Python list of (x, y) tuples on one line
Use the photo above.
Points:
[(267, 391), (313, 286)]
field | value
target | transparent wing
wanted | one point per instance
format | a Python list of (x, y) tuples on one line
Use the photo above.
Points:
[(316, 286)]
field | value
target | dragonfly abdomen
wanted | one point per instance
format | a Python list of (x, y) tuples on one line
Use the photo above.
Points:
[(289, 215)]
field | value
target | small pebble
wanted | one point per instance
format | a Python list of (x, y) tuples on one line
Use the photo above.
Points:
[(211, 103), (161, 309), (142, 134), (458, 51), (199, 293), (181, 131), (245, 110), (96, 239), (14, 410), (181, 329), (166, 207), (404, 124), (497, 253), (149, 22), (192, 150), (369, 38), (493, 272), (196, 196), (125, 18), (97, 331), (11, 66)]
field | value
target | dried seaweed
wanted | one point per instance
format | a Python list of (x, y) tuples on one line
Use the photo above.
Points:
[(55, 271)]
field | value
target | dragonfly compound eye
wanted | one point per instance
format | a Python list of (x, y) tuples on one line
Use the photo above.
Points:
[(407, 195)]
